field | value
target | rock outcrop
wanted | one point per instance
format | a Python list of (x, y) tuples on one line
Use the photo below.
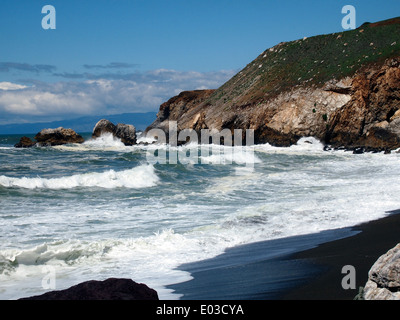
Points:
[(25, 142), (59, 136), (343, 89), (384, 277), (176, 107), (109, 289), (125, 132), (371, 119)]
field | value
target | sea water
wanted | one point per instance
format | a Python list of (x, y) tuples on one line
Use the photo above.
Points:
[(101, 209)]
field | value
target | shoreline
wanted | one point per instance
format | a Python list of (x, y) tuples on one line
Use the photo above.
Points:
[(374, 239), (304, 267)]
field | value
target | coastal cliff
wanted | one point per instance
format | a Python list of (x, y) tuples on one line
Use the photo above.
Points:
[(342, 88)]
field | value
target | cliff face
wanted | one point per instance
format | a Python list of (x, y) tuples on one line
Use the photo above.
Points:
[(342, 88), (371, 119)]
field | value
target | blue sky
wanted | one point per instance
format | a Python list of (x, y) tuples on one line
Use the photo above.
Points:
[(115, 56)]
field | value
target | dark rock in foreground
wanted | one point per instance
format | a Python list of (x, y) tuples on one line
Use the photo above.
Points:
[(59, 136), (109, 289), (25, 142), (125, 132)]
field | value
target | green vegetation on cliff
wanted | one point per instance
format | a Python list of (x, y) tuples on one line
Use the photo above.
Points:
[(310, 61)]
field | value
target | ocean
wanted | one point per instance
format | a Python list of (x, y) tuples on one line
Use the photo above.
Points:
[(102, 209)]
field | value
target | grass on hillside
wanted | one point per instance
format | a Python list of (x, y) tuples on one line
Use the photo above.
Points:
[(310, 61)]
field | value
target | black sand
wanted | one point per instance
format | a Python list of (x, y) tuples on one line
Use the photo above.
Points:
[(305, 267)]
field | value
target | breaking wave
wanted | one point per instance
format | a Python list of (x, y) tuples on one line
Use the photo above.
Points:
[(143, 176)]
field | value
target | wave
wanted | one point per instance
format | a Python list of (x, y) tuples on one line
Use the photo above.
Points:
[(228, 155), (76, 260), (143, 176), (106, 142), (305, 145), (144, 139)]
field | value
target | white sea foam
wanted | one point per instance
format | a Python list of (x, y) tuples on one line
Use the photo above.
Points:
[(228, 155), (76, 261), (305, 145), (143, 176), (141, 137), (106, 142)]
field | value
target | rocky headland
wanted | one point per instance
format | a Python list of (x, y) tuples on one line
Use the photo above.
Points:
[(342, 88)]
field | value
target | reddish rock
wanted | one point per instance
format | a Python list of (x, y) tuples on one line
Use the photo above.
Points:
[(371, 119)]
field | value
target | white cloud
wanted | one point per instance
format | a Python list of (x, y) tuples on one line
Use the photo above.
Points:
[(11, 86), (106, 94)]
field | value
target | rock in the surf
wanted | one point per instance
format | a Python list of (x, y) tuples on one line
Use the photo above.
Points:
[(58, 136), (25, 142), (125, 132)]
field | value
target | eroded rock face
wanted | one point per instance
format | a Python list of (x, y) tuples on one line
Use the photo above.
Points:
[(384, 277), (281, 121), (59, 136), (125, 132), (371, 119), (109, 289)]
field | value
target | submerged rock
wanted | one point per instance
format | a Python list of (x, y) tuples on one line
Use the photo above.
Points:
[(384, 277), (125, 132), (109, 289), (59, 136)]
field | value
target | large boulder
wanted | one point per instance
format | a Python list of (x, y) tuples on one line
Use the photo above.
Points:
[(103, 126), (59, 136), (125, 132), (384, 277), (109, 289)]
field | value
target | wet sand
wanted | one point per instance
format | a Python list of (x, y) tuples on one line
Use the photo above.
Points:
[(306, 267)]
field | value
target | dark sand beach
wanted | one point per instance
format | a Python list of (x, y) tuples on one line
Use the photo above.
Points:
[(306, 267)]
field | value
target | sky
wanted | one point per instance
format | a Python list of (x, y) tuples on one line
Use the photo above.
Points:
[(118, 56)]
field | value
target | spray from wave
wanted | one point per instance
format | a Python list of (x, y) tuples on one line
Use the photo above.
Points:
[(105, 140)]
